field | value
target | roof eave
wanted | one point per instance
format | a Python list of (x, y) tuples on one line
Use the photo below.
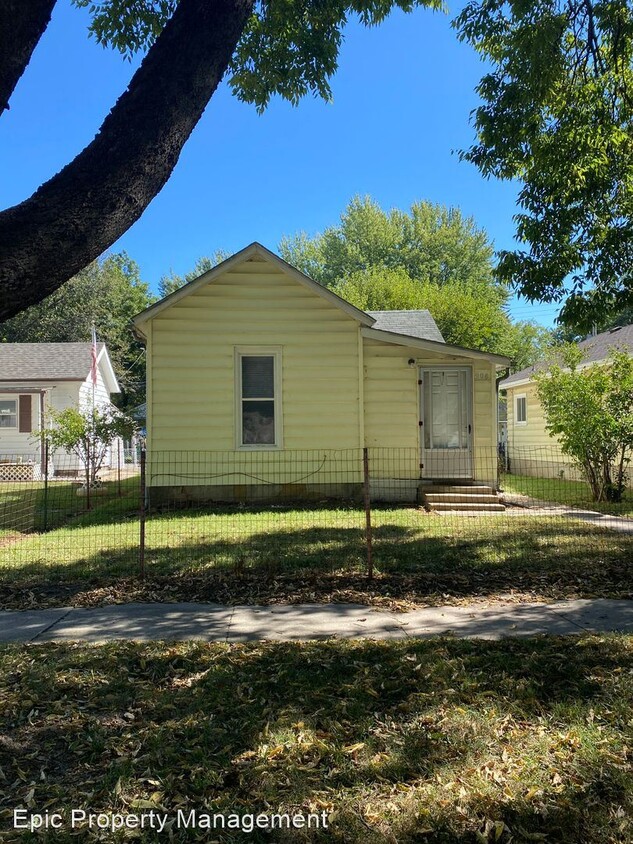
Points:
[(432, 346), (529, 379), (522, 383), (109, 375), (38, 380)]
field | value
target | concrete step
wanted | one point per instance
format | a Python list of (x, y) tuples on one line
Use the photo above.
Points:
[(460, 498), (445, 507), (479, 498), (432, 489)]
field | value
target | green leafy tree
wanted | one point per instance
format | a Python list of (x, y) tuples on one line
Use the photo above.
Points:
[(430, 242), (378, 289), (430, 257), (108, 293), (268, 48), (526, 342), (87, 434), (590, 410), (172, 281), (557, 116)]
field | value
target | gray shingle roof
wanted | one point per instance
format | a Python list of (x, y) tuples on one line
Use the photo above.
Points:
[(594, 348), (411, 323), (598, 347), (45, 361)]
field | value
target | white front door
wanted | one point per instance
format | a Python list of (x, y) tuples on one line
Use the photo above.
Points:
[(446, 430)]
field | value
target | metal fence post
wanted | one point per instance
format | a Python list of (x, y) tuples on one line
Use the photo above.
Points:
[(118, 463), (142, 514), (45, 520), (370, 562), (88, 474)]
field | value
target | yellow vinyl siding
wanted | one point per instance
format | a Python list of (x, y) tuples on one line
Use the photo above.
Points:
[(192, 364), (392, 407), (532, 433), (484, 423), (391, 396), (531, 449)]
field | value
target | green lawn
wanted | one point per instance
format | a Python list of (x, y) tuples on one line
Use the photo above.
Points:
[(439, 741), (23, 505), (573, 493), (289, 554), (31, 506)]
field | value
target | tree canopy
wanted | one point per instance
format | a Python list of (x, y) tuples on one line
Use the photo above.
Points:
[(172, 281), (557, 116), (287, 49), (430, 257), (108, 292), (430, 242)]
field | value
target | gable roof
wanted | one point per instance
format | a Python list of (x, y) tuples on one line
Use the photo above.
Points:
[(53, 362), (595, 348), (254, 250), (411, 323), (416, 328)]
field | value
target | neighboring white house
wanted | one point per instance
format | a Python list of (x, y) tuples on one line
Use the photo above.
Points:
[(36, 377)]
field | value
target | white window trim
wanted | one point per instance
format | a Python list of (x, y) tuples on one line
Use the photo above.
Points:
[(17, 415), (258, 351), (516, 415)]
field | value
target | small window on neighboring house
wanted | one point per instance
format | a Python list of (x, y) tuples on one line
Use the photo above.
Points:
[(520, 404), (8, 413), (259, 422)]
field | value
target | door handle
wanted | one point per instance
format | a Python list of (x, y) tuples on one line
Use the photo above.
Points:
[(469, 429)]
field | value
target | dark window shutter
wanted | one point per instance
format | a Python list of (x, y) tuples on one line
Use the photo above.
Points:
[(25, 415)]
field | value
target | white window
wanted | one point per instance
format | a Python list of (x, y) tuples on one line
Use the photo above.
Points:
[(258, 383), (520, 410), (9, 413)]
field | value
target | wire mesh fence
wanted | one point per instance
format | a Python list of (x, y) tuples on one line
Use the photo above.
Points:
[(340, 524)]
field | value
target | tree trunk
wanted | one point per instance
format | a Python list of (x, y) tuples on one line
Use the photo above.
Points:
[(86, 207), (22, 24), (592, 477), (620, 477)]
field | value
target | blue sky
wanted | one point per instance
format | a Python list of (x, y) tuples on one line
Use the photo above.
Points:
[(402, 99)]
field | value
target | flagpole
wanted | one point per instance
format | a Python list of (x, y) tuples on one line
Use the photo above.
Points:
[(93, 369), (93, 375)]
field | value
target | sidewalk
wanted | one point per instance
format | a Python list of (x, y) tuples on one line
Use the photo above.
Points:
[(215, 623)]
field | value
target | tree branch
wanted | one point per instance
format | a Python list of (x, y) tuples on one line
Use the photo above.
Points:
[(22, 24), (86, 207)]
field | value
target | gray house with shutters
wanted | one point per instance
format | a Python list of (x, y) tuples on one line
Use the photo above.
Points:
[(38, 377)]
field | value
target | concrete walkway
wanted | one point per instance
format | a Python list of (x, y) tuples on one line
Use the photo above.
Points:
[(537, 507), (215, 623)]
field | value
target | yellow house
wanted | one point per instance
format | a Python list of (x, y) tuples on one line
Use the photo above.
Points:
[(263, 383), (530, 448)]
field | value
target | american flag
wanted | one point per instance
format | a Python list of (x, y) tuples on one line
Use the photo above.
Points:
[(93, 353)]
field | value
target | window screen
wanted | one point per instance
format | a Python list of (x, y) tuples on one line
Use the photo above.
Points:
[(9, 413), (258, 399)]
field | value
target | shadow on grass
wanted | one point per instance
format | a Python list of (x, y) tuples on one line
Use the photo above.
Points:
[(413, 741), (553, 559)]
